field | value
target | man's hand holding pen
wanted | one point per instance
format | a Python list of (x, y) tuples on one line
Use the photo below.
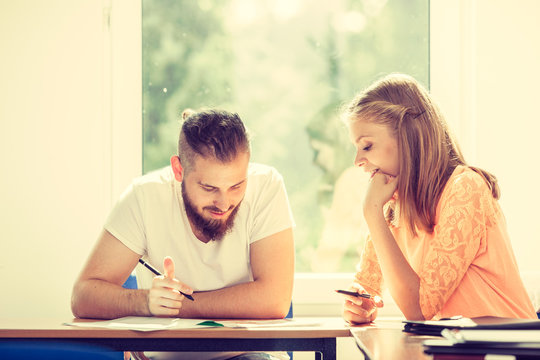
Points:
[(167, 293)]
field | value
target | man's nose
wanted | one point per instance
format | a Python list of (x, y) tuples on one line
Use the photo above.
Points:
[(222, 202)]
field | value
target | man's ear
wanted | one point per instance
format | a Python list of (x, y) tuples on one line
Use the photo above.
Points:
[(177, 168)]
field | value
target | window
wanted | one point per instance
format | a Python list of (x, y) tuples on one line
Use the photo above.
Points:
[(286, 67), (467, 45)]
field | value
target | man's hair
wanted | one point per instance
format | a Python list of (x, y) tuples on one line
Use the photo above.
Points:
[(211, 133)]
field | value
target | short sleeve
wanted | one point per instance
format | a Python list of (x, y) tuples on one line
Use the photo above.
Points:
[(271, 212), (125, 222), (464, 212), (369, 273)]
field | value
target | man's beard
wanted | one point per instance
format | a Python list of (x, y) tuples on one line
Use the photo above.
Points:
[(212, 229)]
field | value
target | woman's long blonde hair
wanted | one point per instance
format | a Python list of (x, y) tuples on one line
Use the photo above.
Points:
[(427, 152)]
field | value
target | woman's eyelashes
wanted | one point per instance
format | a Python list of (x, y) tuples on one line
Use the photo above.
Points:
[(367, 147)]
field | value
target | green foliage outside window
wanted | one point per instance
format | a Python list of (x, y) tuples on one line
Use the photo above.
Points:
[(285, 67)]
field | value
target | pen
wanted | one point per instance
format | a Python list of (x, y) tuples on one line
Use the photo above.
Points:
[(157, 273), (354, 293)]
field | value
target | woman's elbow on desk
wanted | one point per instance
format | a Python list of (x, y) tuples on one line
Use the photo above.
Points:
[(414, 315)]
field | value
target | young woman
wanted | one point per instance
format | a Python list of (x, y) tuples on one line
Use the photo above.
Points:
[(438, 237)]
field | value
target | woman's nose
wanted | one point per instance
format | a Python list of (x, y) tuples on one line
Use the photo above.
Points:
[(359, 160)]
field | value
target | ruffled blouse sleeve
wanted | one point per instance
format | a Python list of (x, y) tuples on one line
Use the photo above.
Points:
[(465, 210), (369, 273)]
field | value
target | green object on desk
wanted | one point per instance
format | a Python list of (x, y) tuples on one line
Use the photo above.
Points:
[(210, 323)]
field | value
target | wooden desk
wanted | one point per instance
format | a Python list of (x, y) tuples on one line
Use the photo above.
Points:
[(320, 339), (385, 340), (389, 344)]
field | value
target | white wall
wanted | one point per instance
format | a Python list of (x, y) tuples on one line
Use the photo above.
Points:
[(64, 159), (508, 76), (485, 73), (55, 150)]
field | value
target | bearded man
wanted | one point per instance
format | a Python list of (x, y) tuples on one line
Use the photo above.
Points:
[(218, 228)]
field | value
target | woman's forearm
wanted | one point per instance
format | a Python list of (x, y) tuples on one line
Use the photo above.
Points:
[(401, 279)]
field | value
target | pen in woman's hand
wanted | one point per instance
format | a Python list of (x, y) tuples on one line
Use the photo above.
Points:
[(157, 273), (354, 293), (375, 298)]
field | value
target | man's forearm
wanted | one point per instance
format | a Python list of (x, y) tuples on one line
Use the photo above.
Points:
[(99, 299), (251, 300)]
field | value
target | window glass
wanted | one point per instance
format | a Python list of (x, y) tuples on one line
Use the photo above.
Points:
[(286, 67)]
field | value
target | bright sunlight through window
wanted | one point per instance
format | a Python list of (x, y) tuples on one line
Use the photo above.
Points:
[(285, 67)]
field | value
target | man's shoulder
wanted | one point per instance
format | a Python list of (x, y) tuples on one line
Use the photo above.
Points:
[(154, 178), (262, 172)]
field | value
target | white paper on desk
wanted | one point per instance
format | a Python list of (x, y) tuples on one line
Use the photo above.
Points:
[(141, 323), (458, 323), (491, 336), (268, 323)]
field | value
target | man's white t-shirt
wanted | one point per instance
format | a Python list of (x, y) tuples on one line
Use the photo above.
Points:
[(151, 220)]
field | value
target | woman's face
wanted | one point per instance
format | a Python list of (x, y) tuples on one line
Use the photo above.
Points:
[(376, 147)]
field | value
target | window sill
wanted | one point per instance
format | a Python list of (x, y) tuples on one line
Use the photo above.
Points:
[(314, 295)]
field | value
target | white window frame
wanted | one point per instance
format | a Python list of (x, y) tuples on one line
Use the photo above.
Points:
[(451, 52), (123, 94)]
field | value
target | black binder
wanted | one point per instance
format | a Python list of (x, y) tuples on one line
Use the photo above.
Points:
[(522, 351), (434, 327)]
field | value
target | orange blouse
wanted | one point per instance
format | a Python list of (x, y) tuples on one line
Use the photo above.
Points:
[(466, 266)]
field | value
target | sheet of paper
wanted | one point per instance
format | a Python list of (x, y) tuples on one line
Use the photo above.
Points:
[(268, 323), (462, 322), (492, 336), (141, 323)]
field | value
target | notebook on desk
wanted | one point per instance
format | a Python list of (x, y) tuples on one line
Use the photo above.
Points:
[(520, 350), (488, 337), (434, 327), (524, 344)]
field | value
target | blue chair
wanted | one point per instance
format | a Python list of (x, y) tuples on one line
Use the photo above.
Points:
[(131, 282), (290, 316), (290, 313)]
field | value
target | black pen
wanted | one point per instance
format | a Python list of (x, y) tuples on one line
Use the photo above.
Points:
[(157, 273), (354, 293)]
